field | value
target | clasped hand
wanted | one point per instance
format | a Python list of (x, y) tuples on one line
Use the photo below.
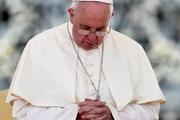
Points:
[(93, 110)]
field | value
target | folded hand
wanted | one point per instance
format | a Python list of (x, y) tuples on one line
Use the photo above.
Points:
[(94, 110)]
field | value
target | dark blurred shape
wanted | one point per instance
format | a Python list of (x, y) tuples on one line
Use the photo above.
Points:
[(4, 15), (4, 18), (168, 19), (160, 15)]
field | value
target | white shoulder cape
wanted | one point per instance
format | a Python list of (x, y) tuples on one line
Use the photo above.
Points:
[(45, 75)]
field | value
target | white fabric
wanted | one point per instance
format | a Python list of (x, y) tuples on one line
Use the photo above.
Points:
[(22, 111), (104, 1), (48, 65), (84, 89), (135, 111)]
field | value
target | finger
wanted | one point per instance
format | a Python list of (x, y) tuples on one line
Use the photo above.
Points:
[(94, 110), (92, 116), (102, 117), (89, 117), (97, 111), (85, 109), (92, 103)]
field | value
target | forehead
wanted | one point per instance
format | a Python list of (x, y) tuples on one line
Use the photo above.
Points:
[(93, 13)]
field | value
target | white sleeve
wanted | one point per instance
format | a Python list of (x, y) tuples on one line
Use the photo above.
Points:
[(136, 111), (24, 111)]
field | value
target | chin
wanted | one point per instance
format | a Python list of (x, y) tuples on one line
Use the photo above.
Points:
[(89, 47)]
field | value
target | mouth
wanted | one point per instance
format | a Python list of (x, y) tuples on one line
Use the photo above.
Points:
[(89, 45)]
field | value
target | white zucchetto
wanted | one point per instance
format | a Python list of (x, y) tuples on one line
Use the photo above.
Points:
[(104, 1)]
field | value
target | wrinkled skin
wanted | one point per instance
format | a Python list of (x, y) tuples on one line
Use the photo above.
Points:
[(93, 109), (93, 16)]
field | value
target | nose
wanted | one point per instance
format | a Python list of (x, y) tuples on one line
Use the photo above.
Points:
[(92, 37)]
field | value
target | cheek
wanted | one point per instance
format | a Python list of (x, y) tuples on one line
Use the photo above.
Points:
[(100, 39), (79, 38)]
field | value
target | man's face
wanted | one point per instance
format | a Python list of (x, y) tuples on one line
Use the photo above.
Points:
[(93, 18)]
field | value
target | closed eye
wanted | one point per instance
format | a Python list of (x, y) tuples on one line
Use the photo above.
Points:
[(103, 28), (85, 27)]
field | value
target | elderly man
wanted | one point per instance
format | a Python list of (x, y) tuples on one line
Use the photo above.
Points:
[(83, 70)]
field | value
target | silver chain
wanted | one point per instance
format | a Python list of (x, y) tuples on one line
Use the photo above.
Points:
[(100, 71)]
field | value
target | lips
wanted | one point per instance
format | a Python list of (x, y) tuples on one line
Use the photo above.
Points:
[(89, 45), (91, 42)]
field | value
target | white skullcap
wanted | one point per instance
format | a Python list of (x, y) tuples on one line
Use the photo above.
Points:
[(104, 1)]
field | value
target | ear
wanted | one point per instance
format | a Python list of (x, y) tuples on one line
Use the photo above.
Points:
[(71, 14)]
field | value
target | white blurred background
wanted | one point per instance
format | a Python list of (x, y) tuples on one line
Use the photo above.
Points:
[(155, 24)]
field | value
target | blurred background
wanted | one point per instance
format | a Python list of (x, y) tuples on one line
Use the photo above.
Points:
[(155, 24)]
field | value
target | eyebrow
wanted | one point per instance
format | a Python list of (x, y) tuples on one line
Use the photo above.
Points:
[(89, 27)]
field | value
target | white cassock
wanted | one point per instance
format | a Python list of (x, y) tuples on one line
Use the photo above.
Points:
[(49, 80)]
